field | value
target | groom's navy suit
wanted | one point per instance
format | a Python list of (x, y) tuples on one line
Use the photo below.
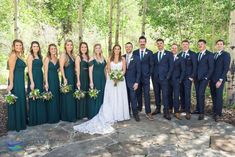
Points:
[(146, 66), (162, 72), (132, 76)]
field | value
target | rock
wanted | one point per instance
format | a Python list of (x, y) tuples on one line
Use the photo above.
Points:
[(3, 115), (224, 143)]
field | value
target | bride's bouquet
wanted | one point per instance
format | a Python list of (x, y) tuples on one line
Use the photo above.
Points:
[(79, 94), (116, 76), (10, 99)]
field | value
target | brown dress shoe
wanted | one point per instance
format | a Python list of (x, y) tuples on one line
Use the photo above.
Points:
[(188, 116), (149, 116), (177, 116)]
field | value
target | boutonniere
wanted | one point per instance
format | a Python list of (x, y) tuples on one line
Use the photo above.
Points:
[(146, 53), (131, 59), (176, 57), (187, 54), (164, 53)]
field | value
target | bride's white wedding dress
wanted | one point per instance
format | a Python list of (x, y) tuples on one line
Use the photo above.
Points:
[(114, 108)]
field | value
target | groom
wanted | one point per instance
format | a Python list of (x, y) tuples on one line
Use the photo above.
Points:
[(132, 76), (146, 62)]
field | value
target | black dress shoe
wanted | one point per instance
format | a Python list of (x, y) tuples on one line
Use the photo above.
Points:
[(157, 111), (137, 118), (195, 112), (201, 117), (167, 116)]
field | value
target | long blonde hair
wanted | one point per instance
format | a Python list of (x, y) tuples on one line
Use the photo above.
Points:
[(67, 56), (14, 51), (101, 56)]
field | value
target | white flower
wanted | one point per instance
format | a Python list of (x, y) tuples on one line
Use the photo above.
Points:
[(176, 57), (164, 54), (146, 53), (131, 59)]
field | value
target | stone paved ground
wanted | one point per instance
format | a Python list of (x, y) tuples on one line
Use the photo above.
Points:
[(147, 138)]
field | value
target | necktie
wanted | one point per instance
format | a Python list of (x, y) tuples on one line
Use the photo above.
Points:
[(142, 55), (127, 60), (184, 54), (160, 56), (200, 56)]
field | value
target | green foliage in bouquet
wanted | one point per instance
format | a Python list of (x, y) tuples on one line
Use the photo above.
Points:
[(93, 93), (47, 96), (79, 94), (65, 89), (35, 94), (10, 99), (116, 76)]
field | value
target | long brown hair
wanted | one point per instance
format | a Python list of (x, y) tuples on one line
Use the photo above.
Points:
[(39, 52), (113, 54), (101, 56), (13, 46), (49, 53), (67, 56), (80, 52)]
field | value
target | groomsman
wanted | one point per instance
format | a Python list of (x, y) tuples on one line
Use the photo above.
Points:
[(146, 61), (175, 80), (132, 75), (190, 58), (219, 76), (204, 72), (163, 67)]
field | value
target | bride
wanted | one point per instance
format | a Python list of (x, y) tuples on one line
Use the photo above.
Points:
[(115, 105)]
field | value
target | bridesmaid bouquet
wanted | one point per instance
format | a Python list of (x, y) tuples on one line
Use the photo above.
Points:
[(47, 96), (65, 88), (35, 94), (79, 94), (93, 93), (116, 76), (10, 98)]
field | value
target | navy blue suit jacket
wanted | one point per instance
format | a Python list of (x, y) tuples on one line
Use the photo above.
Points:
[(146, 64), (163, 68), (205, 66), (179, 69), (221, 66), (133, 72), (190, 64)]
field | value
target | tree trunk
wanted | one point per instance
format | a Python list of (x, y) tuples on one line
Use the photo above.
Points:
[(110, 27), (231, 79), (117, 23), (144, 17), (178, 20), (80, 21), (16, 16)]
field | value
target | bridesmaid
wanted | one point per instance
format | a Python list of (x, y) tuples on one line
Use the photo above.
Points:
[(52, 83), (37, 108), (97, 80), (82, 78), (17, 111), (67, 68)]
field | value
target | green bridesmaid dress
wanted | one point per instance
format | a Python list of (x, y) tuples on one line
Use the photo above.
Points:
[(37, 108), (68, 102), (17, 111), (84, 81), (99, 81), (53, 113)]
